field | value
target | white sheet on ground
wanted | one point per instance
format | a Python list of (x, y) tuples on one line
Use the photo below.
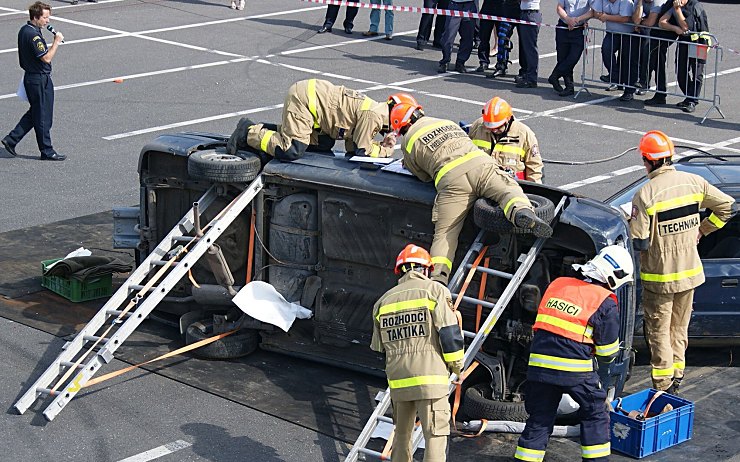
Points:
[(261, 301)]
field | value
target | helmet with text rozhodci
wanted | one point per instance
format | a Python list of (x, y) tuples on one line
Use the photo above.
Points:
[(397, 98), (411, 257), (403, 115), (496, 113)]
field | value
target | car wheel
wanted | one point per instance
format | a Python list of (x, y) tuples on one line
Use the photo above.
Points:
[(217, 166), (479, 404), (490, 217), (236, 345)]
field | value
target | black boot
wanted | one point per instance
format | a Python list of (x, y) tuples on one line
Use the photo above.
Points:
[(526, 219), (238, 139), (569, 89), (554, 80)]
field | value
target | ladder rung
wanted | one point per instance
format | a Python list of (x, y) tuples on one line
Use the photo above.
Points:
[(159, 262), (71, 364), (370, 452), (118, 313), (468, 334), (474, 301), (137, 287), (492, 272), (94, 338), (385, 419), (46, 391), (183, 238)]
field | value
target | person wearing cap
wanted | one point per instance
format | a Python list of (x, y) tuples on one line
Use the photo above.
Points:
[(511, 143), (316, 113), (666, 226), (577, 320), (439, 150), (414, 324)]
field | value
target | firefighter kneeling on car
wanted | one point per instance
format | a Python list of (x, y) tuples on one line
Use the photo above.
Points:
[(415, 325), (577, 319)]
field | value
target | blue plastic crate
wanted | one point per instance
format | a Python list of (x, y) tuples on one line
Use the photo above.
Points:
[(640, 438)]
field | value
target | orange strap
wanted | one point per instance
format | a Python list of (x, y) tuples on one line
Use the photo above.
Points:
[(458, 390), (250, 249), (184, 349), (388, 448), (483, 426), (481, 293), (469, 277)]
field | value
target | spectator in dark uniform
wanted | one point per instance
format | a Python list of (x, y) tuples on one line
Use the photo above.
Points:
[(502, 31), (332, 11), (425, 24), (569, 42), (659, 42), (618, 49), (529, 57), (466, 27), (34, 56)]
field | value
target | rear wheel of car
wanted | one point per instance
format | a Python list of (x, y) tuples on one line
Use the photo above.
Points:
[(217, 166), (490, 217), (479, 404), (236, 345)]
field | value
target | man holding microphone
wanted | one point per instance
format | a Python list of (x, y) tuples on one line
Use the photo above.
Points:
[(34, 56)]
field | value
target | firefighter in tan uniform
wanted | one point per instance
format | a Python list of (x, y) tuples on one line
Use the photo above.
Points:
[(317, 113), (666, 226), (415, 325), (510, 142), (439, 150)]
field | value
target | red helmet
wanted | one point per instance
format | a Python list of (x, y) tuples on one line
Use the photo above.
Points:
[(496, 112), (656, 145), (397, 98), (412, 254), (401, 115)]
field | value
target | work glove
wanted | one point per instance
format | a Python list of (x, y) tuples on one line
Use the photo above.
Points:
[(455, 367), (238, 139)]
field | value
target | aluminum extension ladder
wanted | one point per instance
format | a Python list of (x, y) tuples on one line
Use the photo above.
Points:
[(515, 280), (171, 260)]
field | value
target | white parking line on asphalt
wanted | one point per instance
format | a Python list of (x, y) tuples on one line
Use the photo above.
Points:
[(13, 11), (158, 452)]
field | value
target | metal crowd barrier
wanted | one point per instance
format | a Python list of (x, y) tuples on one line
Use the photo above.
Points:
[(655, 65)]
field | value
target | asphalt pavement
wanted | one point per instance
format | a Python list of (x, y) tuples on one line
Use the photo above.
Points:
[(196, 65)]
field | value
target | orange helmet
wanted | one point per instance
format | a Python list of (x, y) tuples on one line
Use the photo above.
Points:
[(396, 98), (656, 145), (412, 254), (496, 112), (401, 115)]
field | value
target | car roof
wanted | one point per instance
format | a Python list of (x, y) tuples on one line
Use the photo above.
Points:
[(716, 169)]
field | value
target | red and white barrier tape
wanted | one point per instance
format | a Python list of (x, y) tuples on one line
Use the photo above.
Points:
[(416, 9), (455, 13)]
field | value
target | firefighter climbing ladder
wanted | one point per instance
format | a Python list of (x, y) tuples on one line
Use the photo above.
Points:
[(515, 280), (170, 260)]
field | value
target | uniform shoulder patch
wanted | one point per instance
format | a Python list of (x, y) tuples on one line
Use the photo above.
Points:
[(634, 213), (40, 46), (535, 151)]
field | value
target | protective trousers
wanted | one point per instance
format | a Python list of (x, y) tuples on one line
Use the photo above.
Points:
[(667, 319), (542, 406), (296, 127), (453, 201), (434, 415)]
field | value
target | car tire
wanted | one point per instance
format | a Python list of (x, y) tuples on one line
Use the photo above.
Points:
[(490, 217), (236, 345), (478, 404), (217, 166)]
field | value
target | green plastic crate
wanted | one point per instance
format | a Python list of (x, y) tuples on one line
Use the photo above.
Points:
[(75, 290)]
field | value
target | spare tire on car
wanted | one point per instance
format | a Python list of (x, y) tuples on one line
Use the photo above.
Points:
[(219, 167), (490, 217), (479, 404), (236, 345)]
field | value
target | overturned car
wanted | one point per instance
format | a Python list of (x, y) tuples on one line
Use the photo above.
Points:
[(325, 232)]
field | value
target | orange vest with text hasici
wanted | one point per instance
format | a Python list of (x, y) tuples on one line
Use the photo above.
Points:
[(567, 306)]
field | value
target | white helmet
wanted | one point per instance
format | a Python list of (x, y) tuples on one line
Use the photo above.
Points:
[(612, 265)]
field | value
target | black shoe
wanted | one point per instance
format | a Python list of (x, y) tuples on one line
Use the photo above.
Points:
[(555, 82), (460, 67), (526, 219), (436, 45), (73, 2), (690, 107), (370, 34), (567, 91), (655, 101), (683, 103), (481, 68), (518, 79), (55, 156), (525, 84), (420, 45), (499, 72), (627, 97), (93, 1), (348, 30), (324, 29), (238, 139), (442, 68), (605, 78), (9, 147), (674, 389)]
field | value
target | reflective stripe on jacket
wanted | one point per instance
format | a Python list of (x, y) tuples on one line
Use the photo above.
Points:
[(516, 151), (415, 325)]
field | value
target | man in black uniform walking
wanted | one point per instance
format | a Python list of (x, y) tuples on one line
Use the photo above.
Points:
[(35, 58)]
